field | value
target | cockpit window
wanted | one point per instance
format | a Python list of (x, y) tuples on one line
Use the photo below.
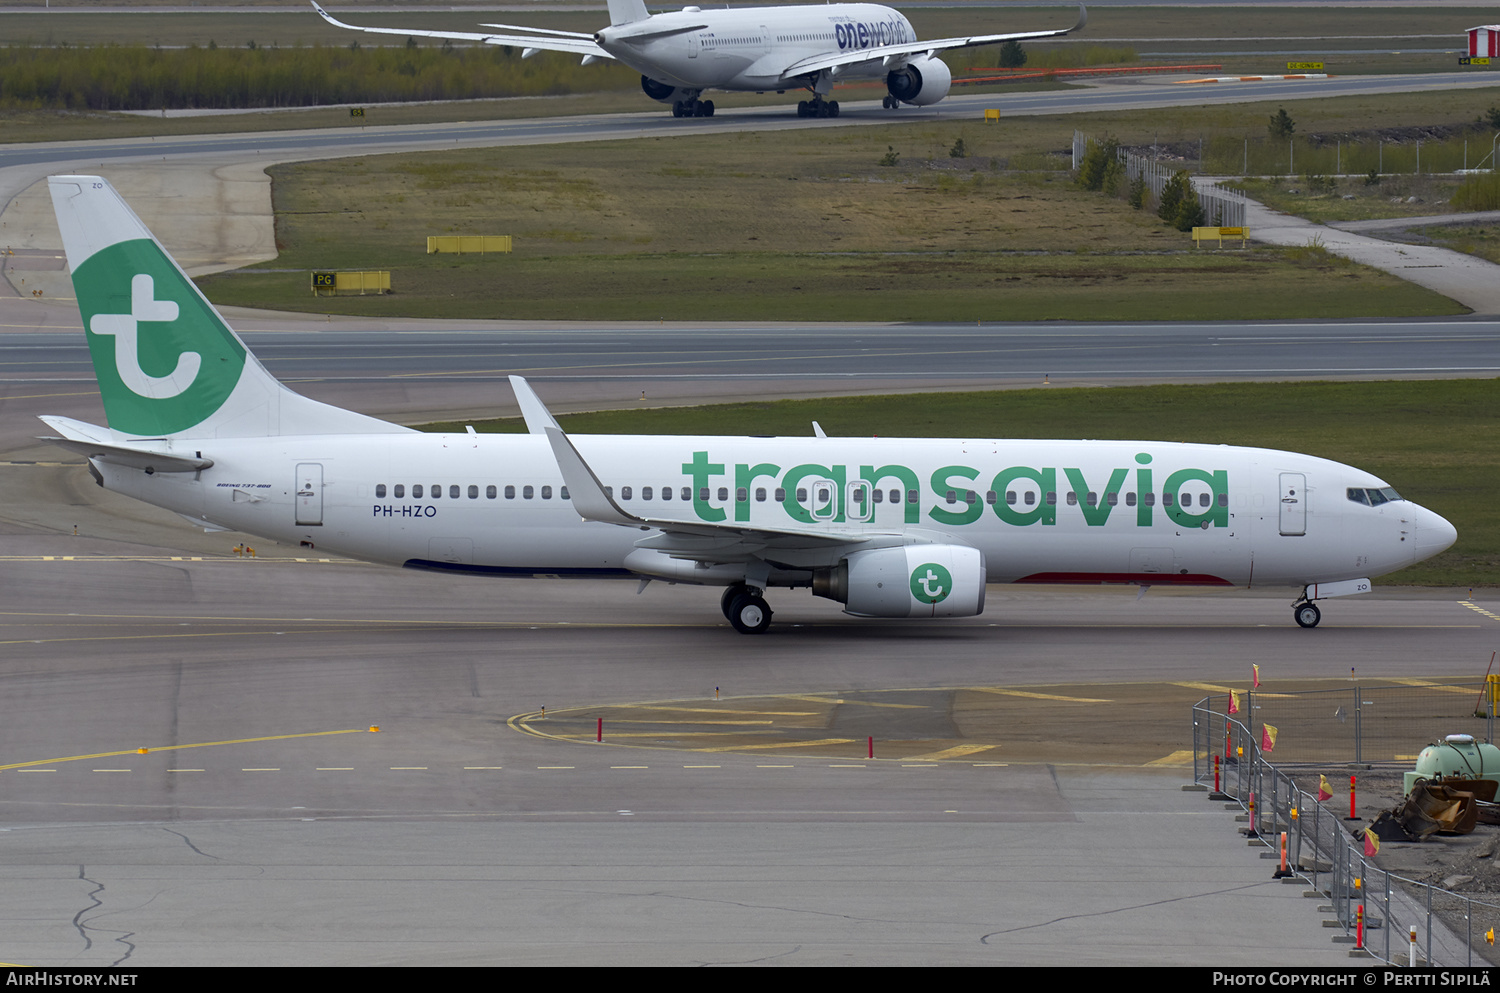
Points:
[(1373, 497)]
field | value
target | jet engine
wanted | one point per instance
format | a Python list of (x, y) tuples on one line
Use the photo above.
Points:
[(907, 581), (922, 81), (661, 91)]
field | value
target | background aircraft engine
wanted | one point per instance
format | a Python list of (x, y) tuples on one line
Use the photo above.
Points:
[(909, 581), (660, 91), (923, 81)]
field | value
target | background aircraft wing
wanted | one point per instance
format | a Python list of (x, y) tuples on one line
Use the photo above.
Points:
[(536, 39), (893, 55)]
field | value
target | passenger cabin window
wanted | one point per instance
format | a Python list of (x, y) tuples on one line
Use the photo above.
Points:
[(453, 491), (546, 493), (380, 491), (474, 491), (400, 490), (527, 492), (510, 493), (489, 492), (416, 492)]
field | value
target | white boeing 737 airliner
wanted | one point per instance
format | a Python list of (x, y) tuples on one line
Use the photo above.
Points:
[(889, 527), (683, 53)]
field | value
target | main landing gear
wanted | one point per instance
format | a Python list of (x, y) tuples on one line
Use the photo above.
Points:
[(693, 108), (746, 609), (890, 103), (1306, 612), (817, 107)]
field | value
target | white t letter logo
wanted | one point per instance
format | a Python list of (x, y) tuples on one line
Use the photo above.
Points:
[(144, 307)]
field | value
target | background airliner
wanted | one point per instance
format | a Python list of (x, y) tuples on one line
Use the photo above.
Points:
[(682, 53), (889, 527)]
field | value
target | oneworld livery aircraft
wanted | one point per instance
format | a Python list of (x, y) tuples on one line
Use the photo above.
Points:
[(683, 53), (889, 527)]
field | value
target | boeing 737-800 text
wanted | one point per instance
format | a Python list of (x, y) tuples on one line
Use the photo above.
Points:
[(889, 527), (683, 53)]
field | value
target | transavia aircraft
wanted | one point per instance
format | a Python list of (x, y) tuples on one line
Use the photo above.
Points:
[(681, 54), (888, 527)]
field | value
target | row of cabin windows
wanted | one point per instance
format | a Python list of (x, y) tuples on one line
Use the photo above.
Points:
[(741, 495), (491, 492)]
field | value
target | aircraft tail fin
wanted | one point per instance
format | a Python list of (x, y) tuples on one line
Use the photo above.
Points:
[(167, 364), (627, 11)]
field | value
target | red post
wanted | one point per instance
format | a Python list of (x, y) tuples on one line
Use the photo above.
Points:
[(1352, 815), (1216, 774), (870, 742), (1359, 928), (599, 733)]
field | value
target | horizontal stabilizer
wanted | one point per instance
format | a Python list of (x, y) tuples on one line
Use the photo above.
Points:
[(134, 458)]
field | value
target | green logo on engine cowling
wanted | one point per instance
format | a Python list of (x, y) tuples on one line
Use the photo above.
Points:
[(164, 359), (931, 583)]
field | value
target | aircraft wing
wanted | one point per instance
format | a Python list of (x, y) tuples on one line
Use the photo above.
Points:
[(894, 54), (594, 503), (536, 39)]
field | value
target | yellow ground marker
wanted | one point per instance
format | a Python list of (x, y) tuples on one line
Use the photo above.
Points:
[(1035, 696), (174, 748)]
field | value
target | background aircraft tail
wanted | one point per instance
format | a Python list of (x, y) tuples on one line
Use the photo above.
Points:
[(167, 364), (626, 11)]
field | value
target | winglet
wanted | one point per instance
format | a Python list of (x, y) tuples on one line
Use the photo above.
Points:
[(584, 488), (1083, 19), (538, 418)]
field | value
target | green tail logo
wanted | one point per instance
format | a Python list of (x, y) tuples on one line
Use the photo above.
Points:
[(164, 359)]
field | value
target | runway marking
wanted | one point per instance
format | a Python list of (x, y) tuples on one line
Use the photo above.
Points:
[(173, 748), (1215, 688), (1425, 684), (840, 701), (703, 767), (956, 752), (1181, 757), (1036, 696), (715, 710), (1479, 610), (818, 742), (695, 723), (262, 769)]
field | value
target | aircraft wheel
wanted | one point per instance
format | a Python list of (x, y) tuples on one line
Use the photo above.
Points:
[(833, 108), (1307, 614), (708, 108), (730, 592), (820, 109), (801, 108), (749, 614), (677, 109)]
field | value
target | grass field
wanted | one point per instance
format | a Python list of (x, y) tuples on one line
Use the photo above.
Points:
[(791, 225), (1437, 443)]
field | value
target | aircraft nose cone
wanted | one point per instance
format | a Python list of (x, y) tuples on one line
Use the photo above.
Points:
[(1434, 534)]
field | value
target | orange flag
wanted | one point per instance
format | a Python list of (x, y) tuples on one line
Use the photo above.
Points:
[(1234, 702), (1372, 844), (1267, 737), (1257, 675), (1325, 792)]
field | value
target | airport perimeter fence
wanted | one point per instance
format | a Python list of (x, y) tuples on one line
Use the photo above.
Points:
[(1323, 846), (1221, 207)]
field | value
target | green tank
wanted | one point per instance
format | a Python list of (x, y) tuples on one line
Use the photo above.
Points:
[(1457, 755)]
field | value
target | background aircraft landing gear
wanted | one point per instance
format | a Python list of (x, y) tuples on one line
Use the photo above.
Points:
[(1307, 613), (693, 108), (890, 103), (746, 609), (817, 107)]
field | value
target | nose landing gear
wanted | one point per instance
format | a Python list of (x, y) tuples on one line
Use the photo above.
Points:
[(1306, 613)]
